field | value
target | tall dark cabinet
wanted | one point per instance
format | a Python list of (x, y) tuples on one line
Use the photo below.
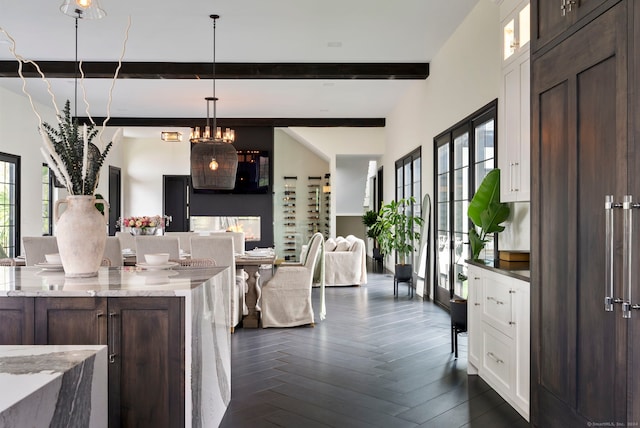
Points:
[(585, 360)]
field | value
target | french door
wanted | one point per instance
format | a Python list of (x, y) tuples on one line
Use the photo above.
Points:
[(464, 155)]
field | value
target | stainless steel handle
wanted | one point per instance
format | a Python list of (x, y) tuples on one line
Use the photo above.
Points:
[(494, 357), (112, 342), (608, 286), (627, 252), (498, 302), (515, 166), (563, 7), (511, 176), (570, 4)]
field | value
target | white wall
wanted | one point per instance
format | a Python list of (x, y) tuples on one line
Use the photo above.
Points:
[(146, 160), (464, 76), (349, 185)]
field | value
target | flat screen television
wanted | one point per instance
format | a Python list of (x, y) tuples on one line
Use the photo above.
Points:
[(252, 175)]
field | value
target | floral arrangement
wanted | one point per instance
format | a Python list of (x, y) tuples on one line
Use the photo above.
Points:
[(144, 222)]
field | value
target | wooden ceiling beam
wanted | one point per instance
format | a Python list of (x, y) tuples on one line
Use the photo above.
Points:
[(236, 122), (203, 70)]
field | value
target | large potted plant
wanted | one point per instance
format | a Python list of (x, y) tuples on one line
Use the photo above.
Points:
[(395, 230), (486, 212)]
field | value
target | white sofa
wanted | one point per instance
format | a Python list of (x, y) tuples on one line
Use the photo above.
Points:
[(345, 261)]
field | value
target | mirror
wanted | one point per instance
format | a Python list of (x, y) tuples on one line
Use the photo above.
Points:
[(423, 264)]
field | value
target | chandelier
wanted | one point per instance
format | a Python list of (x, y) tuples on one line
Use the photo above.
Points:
[(214, 161)]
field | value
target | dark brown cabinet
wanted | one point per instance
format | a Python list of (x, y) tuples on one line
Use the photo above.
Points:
[(585, 360), (551, 18), (146, 356), (146, 348), (71, 321), (16, 319)]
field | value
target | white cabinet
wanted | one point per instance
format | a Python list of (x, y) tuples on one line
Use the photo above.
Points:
[(514, 104), (498, 330)]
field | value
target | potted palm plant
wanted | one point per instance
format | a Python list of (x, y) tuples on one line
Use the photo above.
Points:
[(395, 230)]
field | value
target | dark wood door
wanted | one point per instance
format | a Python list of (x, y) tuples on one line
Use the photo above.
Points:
[(146, 372), (176, 202), (71, 321), (16, 321), (579, 152), (550, 18)]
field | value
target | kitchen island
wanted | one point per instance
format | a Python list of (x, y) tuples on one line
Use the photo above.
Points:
[(167, 332), (53, 386)]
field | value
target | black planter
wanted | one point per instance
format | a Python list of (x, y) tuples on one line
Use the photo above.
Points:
[(458, 321), (404, 273)]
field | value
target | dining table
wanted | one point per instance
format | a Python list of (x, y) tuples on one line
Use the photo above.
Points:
[(259, 265)]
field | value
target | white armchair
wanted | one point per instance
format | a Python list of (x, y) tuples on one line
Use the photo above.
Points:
[(286, 298), (346, 262)]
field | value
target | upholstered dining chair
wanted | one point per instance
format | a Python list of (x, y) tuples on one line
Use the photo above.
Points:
[(127, 240), (35, 247), (220, 247), (157, 244), (286, 298), (113, 251), (185, 239)]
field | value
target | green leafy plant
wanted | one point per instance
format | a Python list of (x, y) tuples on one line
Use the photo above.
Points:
[(395, 228), (72, 157), (369, 219), (486, 212)]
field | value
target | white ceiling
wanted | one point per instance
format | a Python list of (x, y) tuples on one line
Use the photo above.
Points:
[(384, 31)]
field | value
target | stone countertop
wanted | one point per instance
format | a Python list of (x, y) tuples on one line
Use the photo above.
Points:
[(110, 282), (53, 386), (518, 270)]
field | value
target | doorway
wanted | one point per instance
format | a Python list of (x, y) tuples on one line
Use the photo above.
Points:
[(115, 193)]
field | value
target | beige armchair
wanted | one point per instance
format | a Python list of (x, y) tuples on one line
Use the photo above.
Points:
[(220, 247), (286, 298), (345, 265)]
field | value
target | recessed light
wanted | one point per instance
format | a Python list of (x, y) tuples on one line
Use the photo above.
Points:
[(334, 44)]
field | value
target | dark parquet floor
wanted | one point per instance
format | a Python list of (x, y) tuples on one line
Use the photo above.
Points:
[(376, 361)]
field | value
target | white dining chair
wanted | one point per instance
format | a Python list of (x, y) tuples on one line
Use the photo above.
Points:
[(157, 244), (220, 247), (113, 251), (185, 239), (127, 240), (35, 247)]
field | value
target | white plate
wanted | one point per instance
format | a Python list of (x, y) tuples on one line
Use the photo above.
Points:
[(49, 266), (167, 265)]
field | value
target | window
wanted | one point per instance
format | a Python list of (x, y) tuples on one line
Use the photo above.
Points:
[(464, 154), (409, 183), (9, 209), (47, 198)]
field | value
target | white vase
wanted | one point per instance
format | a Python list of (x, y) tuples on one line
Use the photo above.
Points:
[(81, 235)]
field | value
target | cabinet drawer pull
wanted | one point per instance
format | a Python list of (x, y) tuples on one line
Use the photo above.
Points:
[(476, 304), (99, 314), (494, 358), (512, 323), (112, 345), (498, 302)]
